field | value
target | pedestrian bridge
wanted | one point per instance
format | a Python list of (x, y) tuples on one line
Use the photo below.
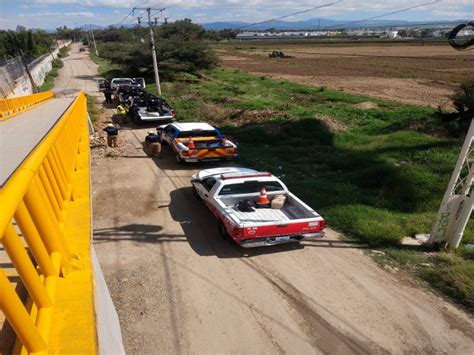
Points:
[(53, 298)]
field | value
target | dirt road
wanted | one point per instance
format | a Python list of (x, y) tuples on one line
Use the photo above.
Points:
[(179, 288), (78, 74)]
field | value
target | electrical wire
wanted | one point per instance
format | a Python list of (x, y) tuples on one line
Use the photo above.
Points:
[(127, 16), (292, 14), (341, 26)]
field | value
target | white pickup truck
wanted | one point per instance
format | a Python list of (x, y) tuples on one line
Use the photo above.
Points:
[(231, 195)]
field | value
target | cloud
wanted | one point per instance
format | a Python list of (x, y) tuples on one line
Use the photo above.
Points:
[(58, 14), (105, 12)]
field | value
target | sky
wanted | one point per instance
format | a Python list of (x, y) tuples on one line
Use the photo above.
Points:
[(49, 14)]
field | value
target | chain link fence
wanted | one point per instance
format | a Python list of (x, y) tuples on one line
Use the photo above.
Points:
[(12, 75)]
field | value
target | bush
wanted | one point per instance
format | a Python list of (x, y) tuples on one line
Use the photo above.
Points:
[(58, 63), (179, 49), (463, 99)]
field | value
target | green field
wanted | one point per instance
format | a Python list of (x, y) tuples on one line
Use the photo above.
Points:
[(375, 170)]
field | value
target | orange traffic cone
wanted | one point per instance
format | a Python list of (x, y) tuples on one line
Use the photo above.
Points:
[(191, 144), (263, 198)]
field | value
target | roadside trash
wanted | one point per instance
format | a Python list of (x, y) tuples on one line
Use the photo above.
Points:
[(378, 252), (425, 264), (422, 237)]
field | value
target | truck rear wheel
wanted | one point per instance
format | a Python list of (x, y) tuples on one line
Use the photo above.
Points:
[(195, 193), (223, 232)]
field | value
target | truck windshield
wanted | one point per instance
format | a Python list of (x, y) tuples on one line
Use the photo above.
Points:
[(197, 133), (249, 187)]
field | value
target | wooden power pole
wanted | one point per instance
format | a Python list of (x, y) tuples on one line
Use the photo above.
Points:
[(153, 49)]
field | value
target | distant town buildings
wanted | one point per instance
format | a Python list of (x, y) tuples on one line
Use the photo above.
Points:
[(388, 32)]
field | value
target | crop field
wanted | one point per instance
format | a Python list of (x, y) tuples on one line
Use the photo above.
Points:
[(415, 73)]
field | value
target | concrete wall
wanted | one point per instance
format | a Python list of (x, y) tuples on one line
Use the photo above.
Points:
[(14, 80), (109, 334)]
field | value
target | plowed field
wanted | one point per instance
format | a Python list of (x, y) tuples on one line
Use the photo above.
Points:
[(416, 74)]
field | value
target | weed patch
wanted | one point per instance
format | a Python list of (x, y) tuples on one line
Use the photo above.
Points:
[(48, 83)]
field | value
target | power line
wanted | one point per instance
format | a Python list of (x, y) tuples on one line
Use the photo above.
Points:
[(130, 14), (384, 15), (126, 17), (292, 14)]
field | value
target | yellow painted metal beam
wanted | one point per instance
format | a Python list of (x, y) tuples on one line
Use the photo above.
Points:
[(48, 198), (13, 106)]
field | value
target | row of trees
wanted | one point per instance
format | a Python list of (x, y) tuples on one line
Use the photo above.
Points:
[(32, 43), (181, 48)]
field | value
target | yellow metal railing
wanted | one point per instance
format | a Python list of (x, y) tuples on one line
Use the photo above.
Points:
[(10, 107), (34, 203)]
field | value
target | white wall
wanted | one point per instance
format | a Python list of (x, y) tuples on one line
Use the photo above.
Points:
[(38, 69)]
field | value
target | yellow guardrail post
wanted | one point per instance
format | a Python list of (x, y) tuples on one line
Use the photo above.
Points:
[(10, 107), (33, 239), (35, 204), (12, 244), (18, 317)]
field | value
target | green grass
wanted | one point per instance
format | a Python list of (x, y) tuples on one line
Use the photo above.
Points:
[(107, 70), (63, 52), (51, 76), (93, 108), (378, 175)]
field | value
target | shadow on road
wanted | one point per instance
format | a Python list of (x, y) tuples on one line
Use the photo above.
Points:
[(135, 232), (334, 243), (86, 77)]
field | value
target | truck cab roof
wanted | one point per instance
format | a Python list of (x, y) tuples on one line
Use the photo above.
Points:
[(217, 172), (191, 126)]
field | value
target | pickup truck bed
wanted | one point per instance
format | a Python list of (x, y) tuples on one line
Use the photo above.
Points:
[(291, 211)]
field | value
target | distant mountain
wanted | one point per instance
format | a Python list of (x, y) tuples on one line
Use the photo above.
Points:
[(318, 23), (93, 27)]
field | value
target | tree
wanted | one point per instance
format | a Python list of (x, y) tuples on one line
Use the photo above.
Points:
[(403, 33), (32, 44), (179, 47)]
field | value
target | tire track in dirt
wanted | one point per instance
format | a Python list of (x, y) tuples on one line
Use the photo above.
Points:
[(322, 334)]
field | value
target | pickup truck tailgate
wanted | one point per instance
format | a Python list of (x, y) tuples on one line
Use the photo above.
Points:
[(284, 228)]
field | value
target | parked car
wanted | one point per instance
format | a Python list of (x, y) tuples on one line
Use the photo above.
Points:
[(101, 84), (150, 108), (195, 142), (116, 82), (256, 208)]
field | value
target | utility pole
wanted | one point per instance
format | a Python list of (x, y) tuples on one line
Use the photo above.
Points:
[(88, 42), (34, 88), (153, 49), (153, 53), (458, 200), (95, 44)]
